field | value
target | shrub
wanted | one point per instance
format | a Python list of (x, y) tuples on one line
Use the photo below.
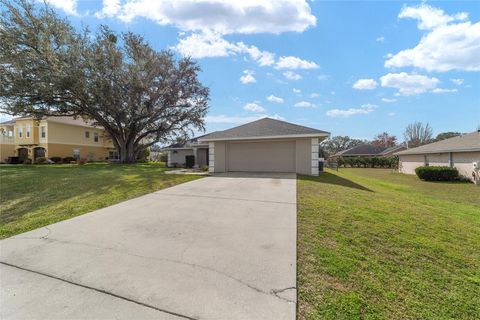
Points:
[(81, 162), (56, 159), (27, 161), (205, 168), (41, 160), (437, 173), (68, 159)]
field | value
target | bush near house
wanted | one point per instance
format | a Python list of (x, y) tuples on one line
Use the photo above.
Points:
[(41, 160), (56, 159), (68, 159), (437, 173)]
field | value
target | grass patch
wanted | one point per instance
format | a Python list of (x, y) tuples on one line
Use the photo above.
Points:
[(34, 196), (374, 244)]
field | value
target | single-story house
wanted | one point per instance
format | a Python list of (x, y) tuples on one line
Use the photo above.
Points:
[(265, 145), (462, 152), (179, 152), (370, 150)]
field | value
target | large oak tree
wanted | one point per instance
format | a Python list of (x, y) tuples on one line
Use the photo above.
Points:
[(118, 81)]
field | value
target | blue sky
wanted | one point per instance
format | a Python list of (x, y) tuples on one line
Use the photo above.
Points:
[(352, 68)]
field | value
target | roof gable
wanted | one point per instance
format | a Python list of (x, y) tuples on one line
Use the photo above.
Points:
[(264, 128)]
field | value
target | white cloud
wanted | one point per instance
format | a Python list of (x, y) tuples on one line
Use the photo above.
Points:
[(391, 114), (222, 16), (446, 45), (407, 84), (297, 91), (304, 104), (275, 99), (322, 77), (209, 44), (364, 109), (248, 77), (458, 82), (294, 63), (263, 58), (110, 8), (238, 120), (388, 100), (315, 95), (365, 84), (292, 75), (69, 6), (443, 90), (253, 107), (429, 17), (380, 39)]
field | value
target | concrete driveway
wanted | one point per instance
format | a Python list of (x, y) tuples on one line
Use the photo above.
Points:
[(221, 247)]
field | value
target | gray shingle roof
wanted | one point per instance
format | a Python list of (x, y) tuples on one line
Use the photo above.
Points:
[(362, 150), (263, 128), (467, 142), (186, 144)]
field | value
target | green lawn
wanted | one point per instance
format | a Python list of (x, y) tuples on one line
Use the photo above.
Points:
[(373, 244), (37, 195)]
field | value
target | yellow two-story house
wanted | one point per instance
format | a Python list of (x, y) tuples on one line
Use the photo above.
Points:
[(29, 138)]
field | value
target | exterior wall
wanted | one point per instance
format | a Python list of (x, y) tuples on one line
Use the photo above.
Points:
[(461, 160), (24, 140), (96, 153), (60, 133), (408, 163), (220, 156), (303, 156), (6, 150), (177, 157)]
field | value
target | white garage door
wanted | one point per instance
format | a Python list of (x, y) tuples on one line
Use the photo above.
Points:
[(261, 156)]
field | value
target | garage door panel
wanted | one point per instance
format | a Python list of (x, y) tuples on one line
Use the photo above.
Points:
[(261, 156)]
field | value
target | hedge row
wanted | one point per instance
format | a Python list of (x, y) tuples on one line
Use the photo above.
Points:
[(368, 162), (437, 173)]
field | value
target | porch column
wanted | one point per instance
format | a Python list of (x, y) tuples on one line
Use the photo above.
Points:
[(314, 156), (211, 157), (195, 155)]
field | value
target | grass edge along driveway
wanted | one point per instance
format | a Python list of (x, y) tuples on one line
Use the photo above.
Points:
[(33, 196), (374, 244)]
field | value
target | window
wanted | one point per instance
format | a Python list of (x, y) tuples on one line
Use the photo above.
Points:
[(113, 155), (20, 131), (28, 130), (95, 136), (87, 134), (76, 153), (43, 131)]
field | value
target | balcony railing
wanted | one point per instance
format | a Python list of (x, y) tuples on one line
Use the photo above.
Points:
[(6, 139)]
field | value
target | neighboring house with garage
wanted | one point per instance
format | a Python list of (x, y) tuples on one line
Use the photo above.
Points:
[(29, 138), (369, 150), (460, 152)]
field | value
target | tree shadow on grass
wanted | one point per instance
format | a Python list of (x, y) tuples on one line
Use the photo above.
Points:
[(329, 178)]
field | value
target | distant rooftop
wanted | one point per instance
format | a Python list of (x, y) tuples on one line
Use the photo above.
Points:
[(464, 143), (363, 150)]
